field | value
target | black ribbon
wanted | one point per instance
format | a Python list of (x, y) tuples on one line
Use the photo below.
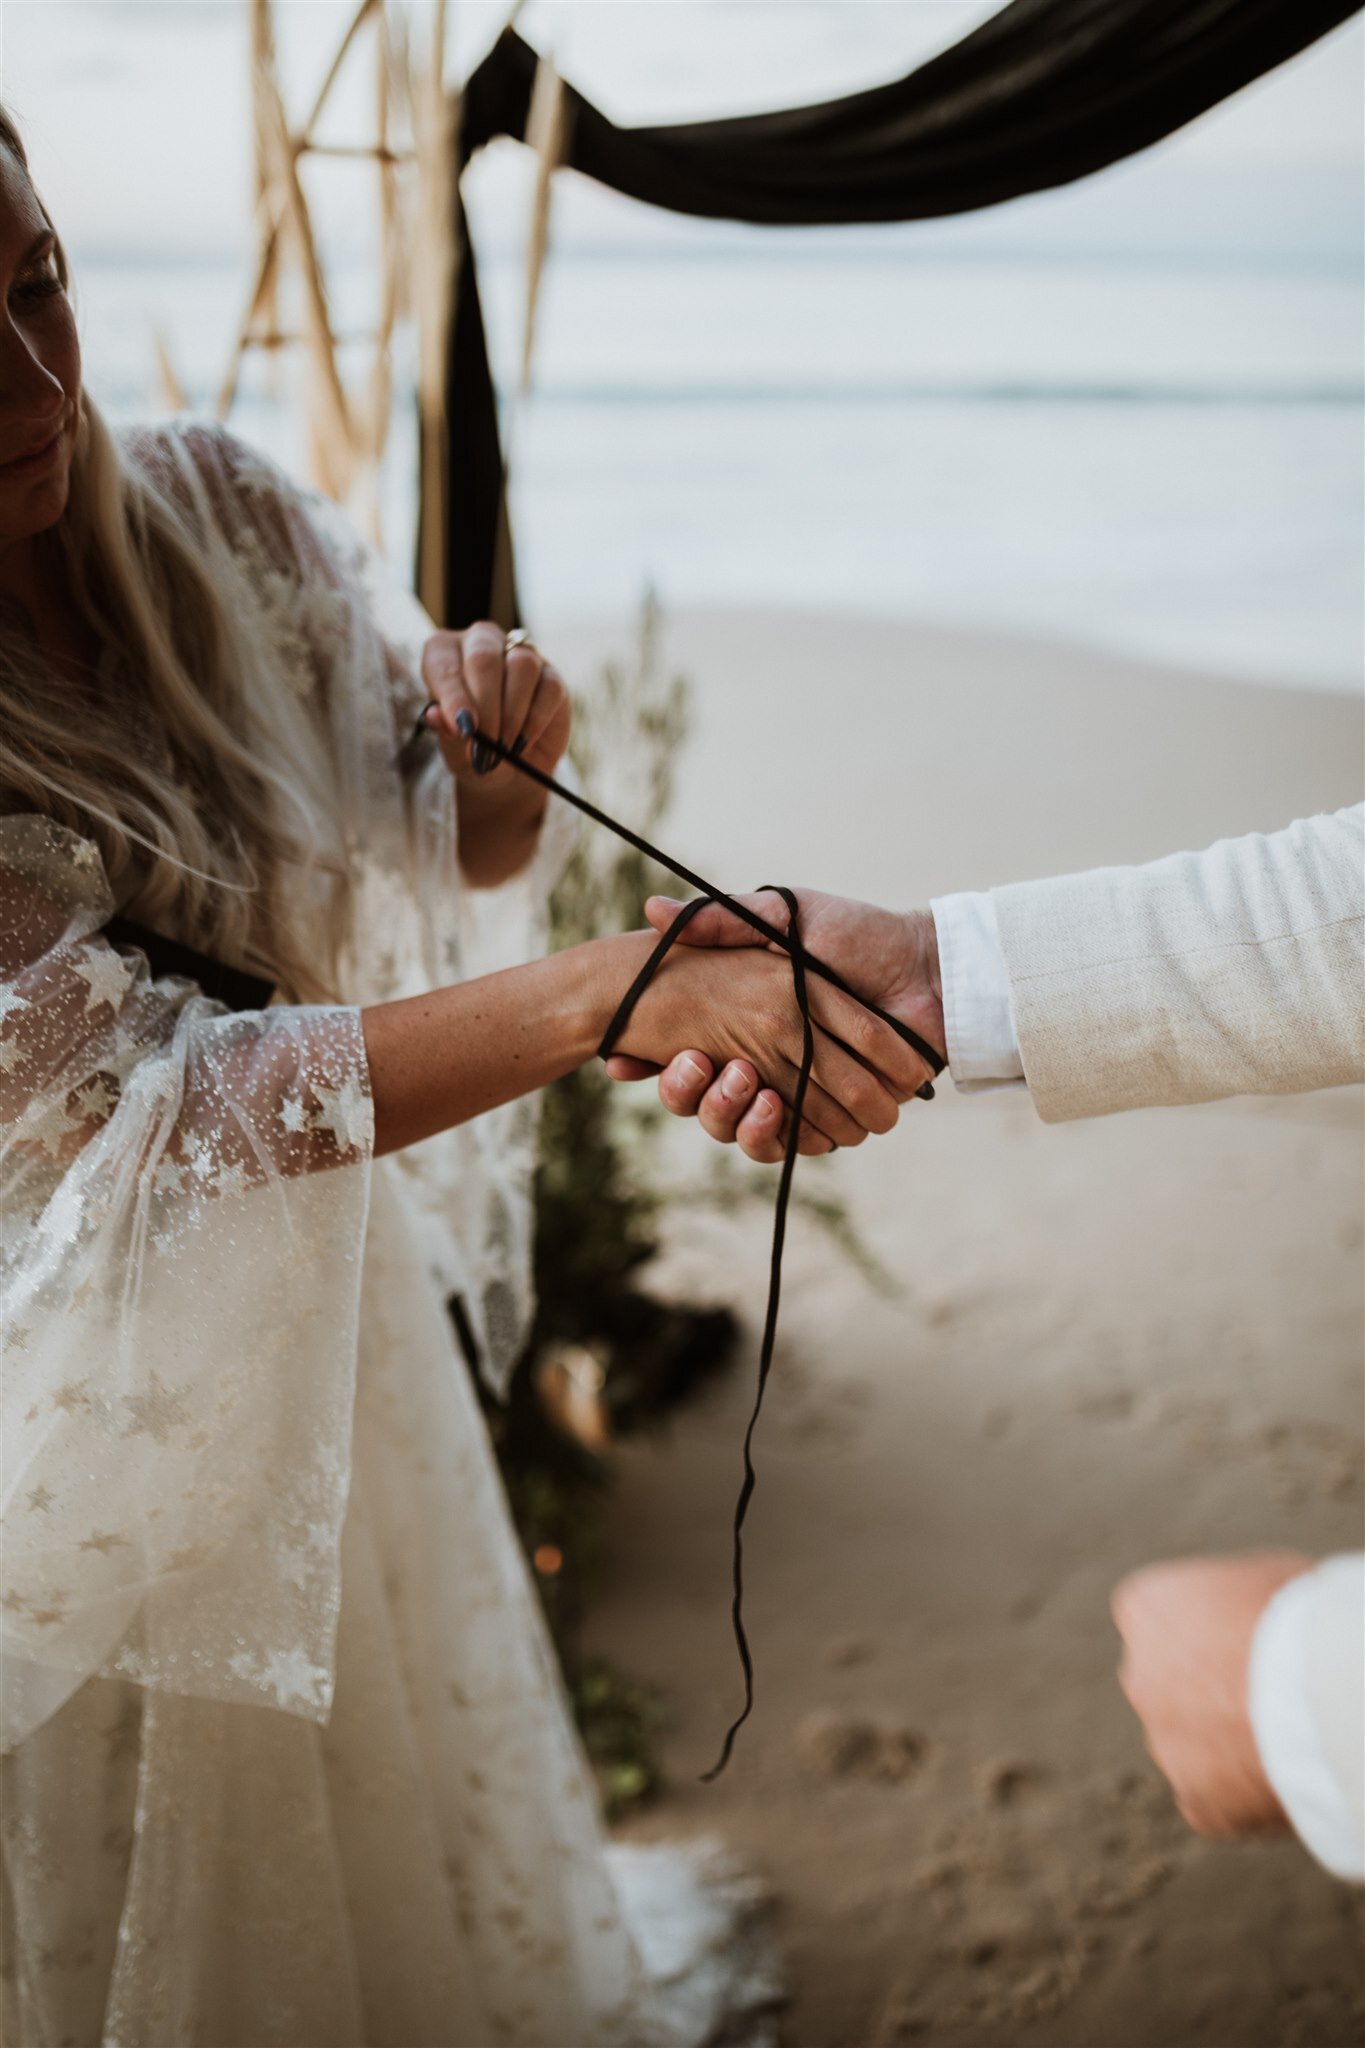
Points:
[(233, 986), (1040, 94), (803, 963)]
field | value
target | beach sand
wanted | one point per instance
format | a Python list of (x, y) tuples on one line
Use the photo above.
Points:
[(1109, 1342)]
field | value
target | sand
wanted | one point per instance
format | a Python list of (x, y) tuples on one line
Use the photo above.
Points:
[(1110, 1342)]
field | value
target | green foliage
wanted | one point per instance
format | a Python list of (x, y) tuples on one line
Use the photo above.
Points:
[(619, 1722)]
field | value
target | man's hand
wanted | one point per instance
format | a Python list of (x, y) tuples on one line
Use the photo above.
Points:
[(1187, 1629), (889, 957)]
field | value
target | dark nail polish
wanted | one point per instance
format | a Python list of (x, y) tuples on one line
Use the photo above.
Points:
[(484, 759), (464, 724)]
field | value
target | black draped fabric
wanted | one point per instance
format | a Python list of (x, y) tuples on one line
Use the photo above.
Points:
[(1042, 93)]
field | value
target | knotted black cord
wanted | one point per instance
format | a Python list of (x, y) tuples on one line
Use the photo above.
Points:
[(802, 963)]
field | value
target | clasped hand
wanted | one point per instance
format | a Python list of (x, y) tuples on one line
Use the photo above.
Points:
[(738, 1070)]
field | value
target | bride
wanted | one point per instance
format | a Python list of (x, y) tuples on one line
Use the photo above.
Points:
[(286, 1758)]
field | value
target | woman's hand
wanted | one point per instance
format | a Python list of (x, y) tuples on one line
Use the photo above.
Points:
[(738, 1004), (516, 696), (512, 693)]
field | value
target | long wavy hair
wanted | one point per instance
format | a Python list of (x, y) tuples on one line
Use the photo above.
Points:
[(160, 761)]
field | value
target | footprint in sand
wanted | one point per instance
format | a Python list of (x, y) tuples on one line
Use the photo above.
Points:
[(1322, 2015), (1007, 1972), (1301, 1460), (839, 1745), (1004, 1782)]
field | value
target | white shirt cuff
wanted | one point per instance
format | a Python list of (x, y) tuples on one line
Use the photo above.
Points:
[(983, 1048), (1280, 1703)]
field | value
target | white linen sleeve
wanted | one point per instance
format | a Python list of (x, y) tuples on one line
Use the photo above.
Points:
[(1306, 1699), (982, 1045), (1236, 971)]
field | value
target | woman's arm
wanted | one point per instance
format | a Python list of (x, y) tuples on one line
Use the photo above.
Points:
[(436, 1060)]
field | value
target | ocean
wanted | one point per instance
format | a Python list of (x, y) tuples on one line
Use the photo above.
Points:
[(1151, 444)]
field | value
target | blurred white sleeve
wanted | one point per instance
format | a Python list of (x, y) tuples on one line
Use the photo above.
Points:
[(1306, 1697), (982, 1046)]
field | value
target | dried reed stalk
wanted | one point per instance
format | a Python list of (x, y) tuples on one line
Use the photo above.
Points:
[(332, 432), (436, 127), (272, 199), (374, 421), (547, 135)]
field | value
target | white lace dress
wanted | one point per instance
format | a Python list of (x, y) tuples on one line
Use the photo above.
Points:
[(287, 1758)]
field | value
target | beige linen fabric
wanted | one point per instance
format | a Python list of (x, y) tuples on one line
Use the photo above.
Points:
[(1236, 971)]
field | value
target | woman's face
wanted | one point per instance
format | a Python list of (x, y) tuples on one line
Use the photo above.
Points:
[(40, 366)]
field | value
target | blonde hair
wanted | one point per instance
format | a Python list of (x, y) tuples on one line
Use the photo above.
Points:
[(171, 777)]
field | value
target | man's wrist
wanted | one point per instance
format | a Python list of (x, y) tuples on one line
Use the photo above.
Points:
[(978, 1014), (921, 1003)]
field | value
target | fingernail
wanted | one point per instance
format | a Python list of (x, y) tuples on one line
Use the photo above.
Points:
[(669, 902), (518, 746), (694, 1068), (765, 1109), (464, 724), (735, 1084), (484, 759)]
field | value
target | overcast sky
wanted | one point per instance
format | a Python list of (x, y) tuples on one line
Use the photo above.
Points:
[(136, 110)]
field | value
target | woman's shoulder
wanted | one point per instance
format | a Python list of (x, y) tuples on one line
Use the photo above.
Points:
[(184, 452), (216, 479)]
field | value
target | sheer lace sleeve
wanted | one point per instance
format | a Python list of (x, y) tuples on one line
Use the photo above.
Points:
[(183, 1194)]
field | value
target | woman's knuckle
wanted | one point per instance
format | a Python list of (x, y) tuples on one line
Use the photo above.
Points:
[(441, 655)]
